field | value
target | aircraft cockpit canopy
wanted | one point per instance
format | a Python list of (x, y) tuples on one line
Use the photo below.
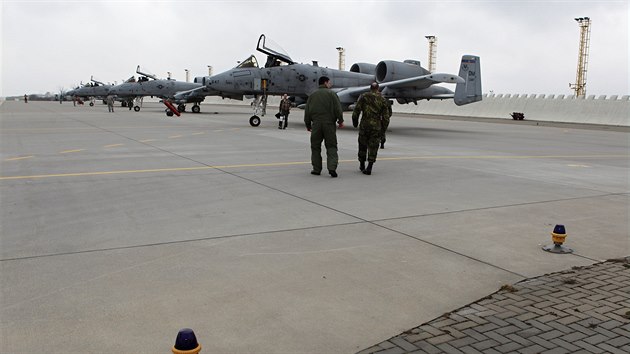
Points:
[(250, 62), (143, 79), (275, 54), (131, 79), (146, 73)]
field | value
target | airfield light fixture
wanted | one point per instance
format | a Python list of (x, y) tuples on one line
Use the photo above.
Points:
[(209, 70), (585, 36)]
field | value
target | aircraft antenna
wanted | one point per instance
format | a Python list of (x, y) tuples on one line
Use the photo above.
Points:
[(585, 37), (342, 58), (432, 52)]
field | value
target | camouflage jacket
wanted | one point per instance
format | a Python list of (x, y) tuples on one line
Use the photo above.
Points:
[(375, 112)]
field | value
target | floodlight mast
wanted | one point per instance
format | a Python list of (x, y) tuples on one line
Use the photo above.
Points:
[(585, 37), (432, 52), (342, 58)]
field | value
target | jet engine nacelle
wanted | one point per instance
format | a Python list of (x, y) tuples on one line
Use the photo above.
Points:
[(390, 70), (363, 68)]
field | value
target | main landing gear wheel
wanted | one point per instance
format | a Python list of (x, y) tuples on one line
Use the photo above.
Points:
[(181, 108), (196, 109), (169, 113), (254, 121), (91, 104), (136, 108)]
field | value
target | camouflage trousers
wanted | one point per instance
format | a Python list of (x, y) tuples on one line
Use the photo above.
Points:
[(369, 141)]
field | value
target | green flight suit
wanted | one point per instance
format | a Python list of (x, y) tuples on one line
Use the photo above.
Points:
[(322, 112), (374, 121)]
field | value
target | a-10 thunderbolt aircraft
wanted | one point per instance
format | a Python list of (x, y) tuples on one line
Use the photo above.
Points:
[(149, 85), (403, 81), (91, 91)]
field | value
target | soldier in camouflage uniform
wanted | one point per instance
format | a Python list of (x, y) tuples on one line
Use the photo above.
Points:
[(322, 111), (374, 122), (383, 137)]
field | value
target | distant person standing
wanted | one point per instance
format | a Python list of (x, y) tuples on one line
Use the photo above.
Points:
[(372, 107), (323, 111), (25, 98), (285, 108), (110, 103)]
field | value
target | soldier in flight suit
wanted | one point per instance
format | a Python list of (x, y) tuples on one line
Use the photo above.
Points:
[(374, 122), (323, 110)]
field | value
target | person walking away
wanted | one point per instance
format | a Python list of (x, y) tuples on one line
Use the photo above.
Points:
[(372, 108), (110, 103), (25, 98), (285, 107), (323, 110)]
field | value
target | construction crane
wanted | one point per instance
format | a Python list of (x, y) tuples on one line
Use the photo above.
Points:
[(432, 52), (585, 37)]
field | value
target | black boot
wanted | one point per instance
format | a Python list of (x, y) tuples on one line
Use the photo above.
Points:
[(382, 145), (368, 170), (361, 165)]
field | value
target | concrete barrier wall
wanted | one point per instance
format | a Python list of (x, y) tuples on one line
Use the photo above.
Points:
[(612, 110), (604, 110)]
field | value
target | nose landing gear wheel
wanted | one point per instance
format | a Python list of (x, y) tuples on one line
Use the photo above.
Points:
[(254, 121), (181, 108), (136, 108), (169, 113)]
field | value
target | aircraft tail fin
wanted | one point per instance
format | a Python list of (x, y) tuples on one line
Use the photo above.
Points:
[(470, 71)]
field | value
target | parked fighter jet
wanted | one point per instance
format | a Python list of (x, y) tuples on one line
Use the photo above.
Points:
[(404, 81), (149, 85), (91, 91)]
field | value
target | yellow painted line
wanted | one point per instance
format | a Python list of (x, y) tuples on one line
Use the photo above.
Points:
[(578, 166), (174, 136), (19, 158), (70, 151), (198, 133), (147, 140), (113, 145), (275, 164)]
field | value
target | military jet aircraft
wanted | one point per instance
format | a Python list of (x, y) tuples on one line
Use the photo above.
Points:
[(91, 91), (405, 81), (150, 85)]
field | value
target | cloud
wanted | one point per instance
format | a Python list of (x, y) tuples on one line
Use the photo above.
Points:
[(525, 46)]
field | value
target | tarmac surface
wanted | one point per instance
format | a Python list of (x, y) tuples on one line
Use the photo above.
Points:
[(119, 229)]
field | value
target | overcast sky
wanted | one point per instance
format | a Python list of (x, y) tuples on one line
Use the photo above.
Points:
[(525, 46)]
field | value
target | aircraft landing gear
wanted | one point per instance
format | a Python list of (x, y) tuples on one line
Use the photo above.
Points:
[(138, 104), (260, 107), (181, 107), (169, 113), (254, 121), (196, 108)]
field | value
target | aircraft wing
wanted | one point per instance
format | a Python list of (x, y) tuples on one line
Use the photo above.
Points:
[(351, 95), (185, 94)]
